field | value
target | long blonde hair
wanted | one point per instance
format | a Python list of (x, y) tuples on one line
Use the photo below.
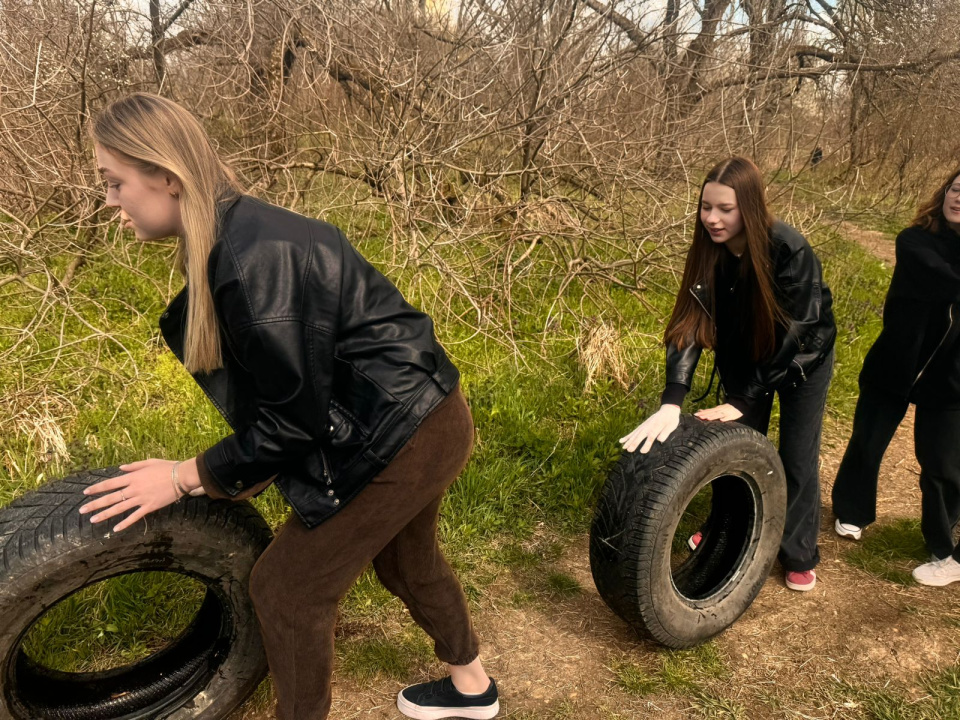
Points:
[(153, 134)]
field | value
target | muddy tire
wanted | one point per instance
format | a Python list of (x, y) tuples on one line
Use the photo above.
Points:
[(49, 551), (633, 554)]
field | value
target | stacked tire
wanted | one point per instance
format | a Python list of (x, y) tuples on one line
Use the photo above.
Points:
[(48, 551), (632, 547)]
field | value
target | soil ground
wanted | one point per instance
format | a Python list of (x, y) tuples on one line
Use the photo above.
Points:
[(792, 655)]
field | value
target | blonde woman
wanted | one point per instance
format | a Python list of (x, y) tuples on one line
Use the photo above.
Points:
[(336, 389)]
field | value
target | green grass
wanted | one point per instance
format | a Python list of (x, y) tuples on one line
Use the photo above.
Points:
[(114, 622), (516, 555), (674, 672), (395, 657), (535, 568), (714, 707), (561, 586), (635, 680), (858, 284), (940, 698), (873, 205), (890, 551), (368, 599), (543, 448), (691, 674), (694, 517)]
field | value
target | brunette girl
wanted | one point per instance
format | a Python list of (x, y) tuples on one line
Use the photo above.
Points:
[(336, 390), (916, 359), (753, 292)]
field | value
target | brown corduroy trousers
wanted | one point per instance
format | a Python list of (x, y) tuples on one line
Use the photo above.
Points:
[(299, 580)]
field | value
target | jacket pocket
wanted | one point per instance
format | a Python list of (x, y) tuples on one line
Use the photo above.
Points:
[(345, 432), (802, 366)]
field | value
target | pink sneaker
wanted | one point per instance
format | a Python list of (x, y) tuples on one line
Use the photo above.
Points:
[(801, 581), (694, 540)]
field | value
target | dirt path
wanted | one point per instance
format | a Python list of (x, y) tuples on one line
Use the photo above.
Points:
[(791, 655), (877, 243)]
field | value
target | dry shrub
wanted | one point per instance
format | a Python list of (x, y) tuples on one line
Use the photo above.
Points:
[(508, 145)]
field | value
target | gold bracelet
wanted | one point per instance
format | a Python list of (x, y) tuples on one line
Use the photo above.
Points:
[(174, 476)]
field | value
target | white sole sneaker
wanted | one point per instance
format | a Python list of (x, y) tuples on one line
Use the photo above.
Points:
[(421, 712), (848, 531), (801, 587), (938, 572)]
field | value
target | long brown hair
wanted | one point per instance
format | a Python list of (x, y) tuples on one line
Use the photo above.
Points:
[(691, 323), (153, 133), (930, 215)]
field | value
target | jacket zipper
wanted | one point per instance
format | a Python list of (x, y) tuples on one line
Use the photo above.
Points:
[(937, 348), (803, 375), (326, 468), (715, 368)]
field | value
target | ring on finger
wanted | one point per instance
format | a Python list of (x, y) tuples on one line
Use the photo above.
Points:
[(122, 496)]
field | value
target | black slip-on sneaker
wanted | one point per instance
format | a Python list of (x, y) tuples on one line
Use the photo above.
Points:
[(440, 699)]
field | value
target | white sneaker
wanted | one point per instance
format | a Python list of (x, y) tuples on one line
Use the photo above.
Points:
[(938, 573), (847, 530)]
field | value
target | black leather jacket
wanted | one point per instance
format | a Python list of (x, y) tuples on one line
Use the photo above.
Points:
[(802, 346), (327, 369)]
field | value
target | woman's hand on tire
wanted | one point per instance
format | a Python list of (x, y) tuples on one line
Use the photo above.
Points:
[(47, 555), (145, 487), (658, 426), (723, 413)]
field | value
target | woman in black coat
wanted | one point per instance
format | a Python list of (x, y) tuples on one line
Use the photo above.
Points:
[(916, 359)]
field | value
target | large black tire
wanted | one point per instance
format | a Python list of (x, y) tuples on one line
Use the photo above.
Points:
[(48, 551), (643, 500)]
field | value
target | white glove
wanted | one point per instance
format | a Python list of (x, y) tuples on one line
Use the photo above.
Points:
[(658, 426)]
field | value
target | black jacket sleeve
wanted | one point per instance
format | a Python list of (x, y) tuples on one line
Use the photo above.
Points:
[(682, 364), (673, 394), (291, 365), (746, 405), (799, 279)]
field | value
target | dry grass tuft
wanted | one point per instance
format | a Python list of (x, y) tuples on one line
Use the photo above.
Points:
[(600, 351), (39, 416)]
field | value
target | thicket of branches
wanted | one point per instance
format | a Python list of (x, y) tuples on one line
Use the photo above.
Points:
[(505, 139)]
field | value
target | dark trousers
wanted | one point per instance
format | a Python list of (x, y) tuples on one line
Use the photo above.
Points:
[(937, 446), (801, 423), (300, 579)]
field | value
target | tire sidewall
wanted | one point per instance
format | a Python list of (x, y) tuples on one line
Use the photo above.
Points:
[(684, 621), (221, 561)]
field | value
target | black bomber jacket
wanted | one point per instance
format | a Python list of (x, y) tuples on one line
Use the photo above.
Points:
[(327, 370), (802, 345)]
